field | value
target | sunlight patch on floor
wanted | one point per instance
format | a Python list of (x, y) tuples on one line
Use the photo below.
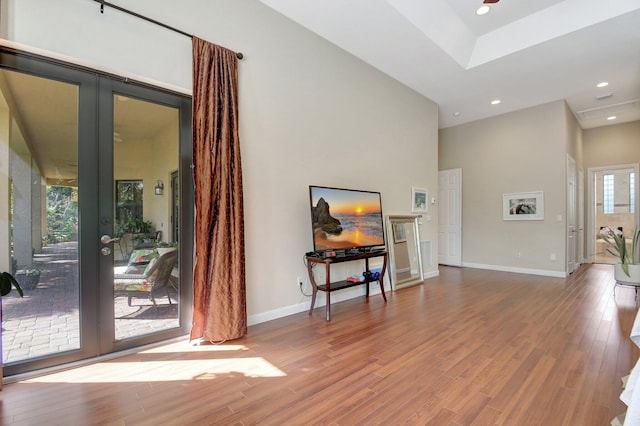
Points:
[(173, 370), (182, 346)]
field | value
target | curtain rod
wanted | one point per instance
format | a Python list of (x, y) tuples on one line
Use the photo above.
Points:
[(103, 3)]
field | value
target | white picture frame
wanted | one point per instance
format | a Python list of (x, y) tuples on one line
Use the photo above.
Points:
[(523, 206), (419, 200)]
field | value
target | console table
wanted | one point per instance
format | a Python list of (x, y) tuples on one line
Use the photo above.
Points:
[(329, 286)]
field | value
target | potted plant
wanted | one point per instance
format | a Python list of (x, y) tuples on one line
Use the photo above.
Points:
[(164, 247), (28, 277), (134, 232), (628, 270)]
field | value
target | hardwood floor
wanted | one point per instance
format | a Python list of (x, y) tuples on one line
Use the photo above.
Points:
[(469, 347)]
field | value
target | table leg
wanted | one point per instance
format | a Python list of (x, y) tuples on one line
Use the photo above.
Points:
[(384, 296), (328, 307), (381, 281), (313, 301), (314, 287), (366, 268), (328, 275)]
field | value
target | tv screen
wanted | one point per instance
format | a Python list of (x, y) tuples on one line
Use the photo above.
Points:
[(344, 219)]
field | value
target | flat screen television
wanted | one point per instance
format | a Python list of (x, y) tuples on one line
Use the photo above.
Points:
[(345, 219)]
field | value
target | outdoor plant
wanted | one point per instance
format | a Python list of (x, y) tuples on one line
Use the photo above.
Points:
[(28, 276), (6, 282), (617, 246), (134, 225), (29, 271), (167, 244)]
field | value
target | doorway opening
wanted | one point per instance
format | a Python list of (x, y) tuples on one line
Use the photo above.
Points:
[(613, 207)]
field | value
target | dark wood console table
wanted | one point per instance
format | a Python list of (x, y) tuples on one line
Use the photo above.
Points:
[(329, 286)]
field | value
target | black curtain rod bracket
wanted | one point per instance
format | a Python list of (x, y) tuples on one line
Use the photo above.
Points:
[(104, 3)]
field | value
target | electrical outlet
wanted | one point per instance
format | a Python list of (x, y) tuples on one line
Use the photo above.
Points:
[(299, 282)]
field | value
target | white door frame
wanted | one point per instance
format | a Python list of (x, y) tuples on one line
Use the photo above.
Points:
[(572, 215), (581, 257)]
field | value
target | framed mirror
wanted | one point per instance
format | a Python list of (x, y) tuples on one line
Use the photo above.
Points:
[(405, 263)]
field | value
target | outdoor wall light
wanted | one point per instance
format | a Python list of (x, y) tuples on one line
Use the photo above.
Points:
[(159, 187)]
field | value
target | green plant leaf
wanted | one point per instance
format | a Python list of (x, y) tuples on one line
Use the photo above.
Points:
[(6, 282), (634, 246), (618, 248)]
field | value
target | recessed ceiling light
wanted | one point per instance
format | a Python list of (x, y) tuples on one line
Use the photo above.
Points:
[(456, 114), (603, 84), (483, 10), (495, 102), (613, 117)]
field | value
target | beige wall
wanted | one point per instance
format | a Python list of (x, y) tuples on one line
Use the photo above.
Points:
[(309, 114), (612, 145), (521, 151), (164, 161), (574, 136)]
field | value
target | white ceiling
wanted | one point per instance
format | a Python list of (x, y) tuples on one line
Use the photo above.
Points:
[(523, 52)]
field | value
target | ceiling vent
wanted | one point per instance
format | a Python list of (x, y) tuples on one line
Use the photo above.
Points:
[(607, 111), (604, 96)]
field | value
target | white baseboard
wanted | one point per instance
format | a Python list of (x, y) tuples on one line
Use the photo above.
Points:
[(543, 272), (431, 274)]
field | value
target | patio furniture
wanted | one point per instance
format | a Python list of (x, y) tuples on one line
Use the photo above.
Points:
[(128, 243), (143, 241), (154, 279)]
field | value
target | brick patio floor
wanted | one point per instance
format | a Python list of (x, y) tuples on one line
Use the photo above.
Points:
[(46, 321)]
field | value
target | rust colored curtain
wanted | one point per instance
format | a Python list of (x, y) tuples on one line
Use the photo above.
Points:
[(219, 272)]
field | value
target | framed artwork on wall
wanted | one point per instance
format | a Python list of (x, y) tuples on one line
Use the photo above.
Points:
[(523, 206), (419, 200)]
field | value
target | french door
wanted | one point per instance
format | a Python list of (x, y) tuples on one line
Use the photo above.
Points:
[(88, 158)]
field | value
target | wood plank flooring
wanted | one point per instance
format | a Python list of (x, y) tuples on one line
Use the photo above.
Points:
[(470, 347)]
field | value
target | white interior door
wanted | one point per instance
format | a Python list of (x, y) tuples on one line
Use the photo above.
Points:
[(571, 215), (450, 217)]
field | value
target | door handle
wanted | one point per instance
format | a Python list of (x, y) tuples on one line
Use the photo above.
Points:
[(106, 239)]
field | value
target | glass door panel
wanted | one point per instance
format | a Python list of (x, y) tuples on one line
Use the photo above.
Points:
[(146, 278), (39, 138)]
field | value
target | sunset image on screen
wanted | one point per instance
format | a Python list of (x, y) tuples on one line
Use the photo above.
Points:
[(344, 218)]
